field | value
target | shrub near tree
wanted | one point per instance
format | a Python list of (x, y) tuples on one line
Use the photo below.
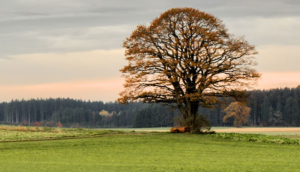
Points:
[(239, 111), (186, 58)]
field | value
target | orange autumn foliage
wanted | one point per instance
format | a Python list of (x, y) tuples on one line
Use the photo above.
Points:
[(239, 111), (59, 124), (186, 58)]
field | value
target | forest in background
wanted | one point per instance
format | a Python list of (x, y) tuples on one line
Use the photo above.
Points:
[(275, 107)]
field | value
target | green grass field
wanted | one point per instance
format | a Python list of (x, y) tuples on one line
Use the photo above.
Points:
[(213, 129), (158, 128), (105, 150)]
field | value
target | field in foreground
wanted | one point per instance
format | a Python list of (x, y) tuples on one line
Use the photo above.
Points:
[(255, 130), (135, 151)]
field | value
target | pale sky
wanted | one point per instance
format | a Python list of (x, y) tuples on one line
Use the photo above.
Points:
[(73, 48)]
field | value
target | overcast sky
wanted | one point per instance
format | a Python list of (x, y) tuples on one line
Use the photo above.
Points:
[(73, 48)]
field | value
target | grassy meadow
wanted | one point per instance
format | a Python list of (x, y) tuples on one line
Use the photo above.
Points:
[(21, 133), (60, 149)]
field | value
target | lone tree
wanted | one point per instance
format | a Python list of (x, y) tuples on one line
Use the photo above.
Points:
[(186, 58), (239, 111)]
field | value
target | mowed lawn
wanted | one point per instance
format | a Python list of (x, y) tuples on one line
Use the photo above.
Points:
[(147, 152)]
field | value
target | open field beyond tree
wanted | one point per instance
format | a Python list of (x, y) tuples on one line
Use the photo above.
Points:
[(105, 150), (255, 130)]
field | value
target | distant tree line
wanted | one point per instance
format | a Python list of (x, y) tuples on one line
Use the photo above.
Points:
[(275, 107), (69, 112)]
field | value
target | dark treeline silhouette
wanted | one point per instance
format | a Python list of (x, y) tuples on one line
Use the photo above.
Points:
[(69, 112), (275, 107)]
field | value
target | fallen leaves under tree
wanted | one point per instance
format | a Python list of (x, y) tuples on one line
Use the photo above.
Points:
[(186, 58)]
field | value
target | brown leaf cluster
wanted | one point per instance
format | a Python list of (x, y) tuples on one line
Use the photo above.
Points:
[(239, 111), (186, 57)]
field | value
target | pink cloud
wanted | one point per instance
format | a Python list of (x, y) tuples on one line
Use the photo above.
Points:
[(108, 90), (271, 80), (104, 90)]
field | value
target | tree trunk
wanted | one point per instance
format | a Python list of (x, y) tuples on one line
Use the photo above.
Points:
[(17, 117), (189, 112)]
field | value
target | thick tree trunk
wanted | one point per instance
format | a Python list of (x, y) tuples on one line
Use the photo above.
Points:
[(189, 112), (194, 127)]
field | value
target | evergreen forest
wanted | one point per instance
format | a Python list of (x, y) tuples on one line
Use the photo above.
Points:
[(275, 107)]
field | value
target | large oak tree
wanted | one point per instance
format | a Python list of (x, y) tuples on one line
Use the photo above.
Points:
[(187, 58)]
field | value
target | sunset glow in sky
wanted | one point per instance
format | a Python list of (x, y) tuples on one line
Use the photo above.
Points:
[(73, 48)]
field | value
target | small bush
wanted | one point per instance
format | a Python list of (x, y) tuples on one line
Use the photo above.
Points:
[(59, 124)]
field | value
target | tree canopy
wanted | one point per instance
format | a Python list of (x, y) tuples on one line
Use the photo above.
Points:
[(186, 57), (239, 111)]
